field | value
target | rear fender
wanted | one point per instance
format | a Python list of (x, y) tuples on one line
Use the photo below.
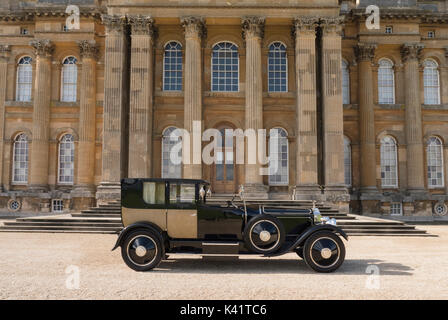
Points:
[(135, 226)]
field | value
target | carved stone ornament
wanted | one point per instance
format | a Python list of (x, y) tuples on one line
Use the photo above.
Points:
[(114, 23), (365, 51), (411, 51), (253, 26), (42, 48), (142, 25), (193, 26), (5, 50), (332, 25), (88, 49), (305, 24)]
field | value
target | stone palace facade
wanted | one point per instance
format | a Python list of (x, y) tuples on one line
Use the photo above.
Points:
[(362, 113)]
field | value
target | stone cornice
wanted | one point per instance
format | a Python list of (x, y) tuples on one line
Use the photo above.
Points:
[(365, 51), (401, 14), (411, 51), (142, 25), (305, 25), (193, 27), (42, 47), (31, 15), (88, 49), (253, 26), (332, 25), (114, 23)]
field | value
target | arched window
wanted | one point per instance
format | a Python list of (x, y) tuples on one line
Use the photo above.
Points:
[(277, 68), (345, 83), (24, 79), (20, 160), (69, 79), (389, 172), (169, 139), (386, 82), (66, 168), (431, 82), (278, 164), (434, 156), (172, 67), (225, 67), (347, 162)]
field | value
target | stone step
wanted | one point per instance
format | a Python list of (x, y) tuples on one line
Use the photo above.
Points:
[(370, 223), (58, 223), (95, 215), (99, 210), (71, 219), (61, 228), (368, 227), (384, 230)]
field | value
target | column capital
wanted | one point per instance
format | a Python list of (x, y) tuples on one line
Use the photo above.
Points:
[(142, 25), (5, 50), (332, 25), (411, 51), (114, 24), (365, 51), (253, 26), (42, 48), (194, 27), (306, 25), (88, 49)]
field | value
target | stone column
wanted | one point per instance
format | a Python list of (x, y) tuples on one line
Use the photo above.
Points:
[(413, 116), (253, 32), (332, 110), (141, 99), (194, 31), (307, 184), (41, 116), (5, 51), (85, 187), (115, 108), (365, 52)]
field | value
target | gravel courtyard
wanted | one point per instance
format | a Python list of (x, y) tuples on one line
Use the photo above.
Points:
[(39, 266)]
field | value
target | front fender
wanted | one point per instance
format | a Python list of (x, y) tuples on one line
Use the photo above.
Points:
[(137, 225), (302, 238)]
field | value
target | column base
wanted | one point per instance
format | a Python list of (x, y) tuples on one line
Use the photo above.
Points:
[(107, 192), (83, 197), (256, 191), (308, 192)]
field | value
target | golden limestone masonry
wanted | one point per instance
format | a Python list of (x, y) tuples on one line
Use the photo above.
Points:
[(93, 91)]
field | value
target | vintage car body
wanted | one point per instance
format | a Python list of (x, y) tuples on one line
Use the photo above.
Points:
[(164, 216)]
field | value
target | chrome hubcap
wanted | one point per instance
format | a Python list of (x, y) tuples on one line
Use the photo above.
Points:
[(140, 251), (325, 253), (265, 236)]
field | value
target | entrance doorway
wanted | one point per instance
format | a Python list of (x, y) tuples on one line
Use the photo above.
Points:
[(224, 169)]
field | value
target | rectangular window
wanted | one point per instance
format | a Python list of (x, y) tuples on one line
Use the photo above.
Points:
[(24, 31), (182, 193), (431, 34), (58, 206), (389, 29), (396, 209), (154, 192)]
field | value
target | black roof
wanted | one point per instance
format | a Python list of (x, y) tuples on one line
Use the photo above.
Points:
[(174, 180)]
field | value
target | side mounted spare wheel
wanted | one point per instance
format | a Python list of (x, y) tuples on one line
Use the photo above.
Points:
[(142, 249), (264, 234), (324, 251)]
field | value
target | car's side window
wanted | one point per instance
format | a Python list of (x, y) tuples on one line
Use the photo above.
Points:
[(154, 192), (182, 193)]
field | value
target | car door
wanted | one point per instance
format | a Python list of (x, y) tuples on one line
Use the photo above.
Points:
[(182, 213)]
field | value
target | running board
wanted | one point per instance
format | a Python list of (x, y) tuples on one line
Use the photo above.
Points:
[(219, 248)]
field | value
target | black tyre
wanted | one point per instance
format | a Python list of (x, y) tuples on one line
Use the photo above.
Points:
[(142, 250), (324, 251), (299, 252), (264, 234)]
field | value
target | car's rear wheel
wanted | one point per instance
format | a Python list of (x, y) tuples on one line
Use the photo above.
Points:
[(264, 234), (324, 251), (142, 250)]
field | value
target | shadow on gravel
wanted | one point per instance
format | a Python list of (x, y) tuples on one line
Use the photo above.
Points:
[(275, 266)]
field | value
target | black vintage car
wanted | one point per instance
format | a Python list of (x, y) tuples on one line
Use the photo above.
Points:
[(165, 216)]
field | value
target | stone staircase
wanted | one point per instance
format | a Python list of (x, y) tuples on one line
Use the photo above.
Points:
[(106, 219)]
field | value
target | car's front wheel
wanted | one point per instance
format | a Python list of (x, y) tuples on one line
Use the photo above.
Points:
[(142, 250), (324, 251)]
